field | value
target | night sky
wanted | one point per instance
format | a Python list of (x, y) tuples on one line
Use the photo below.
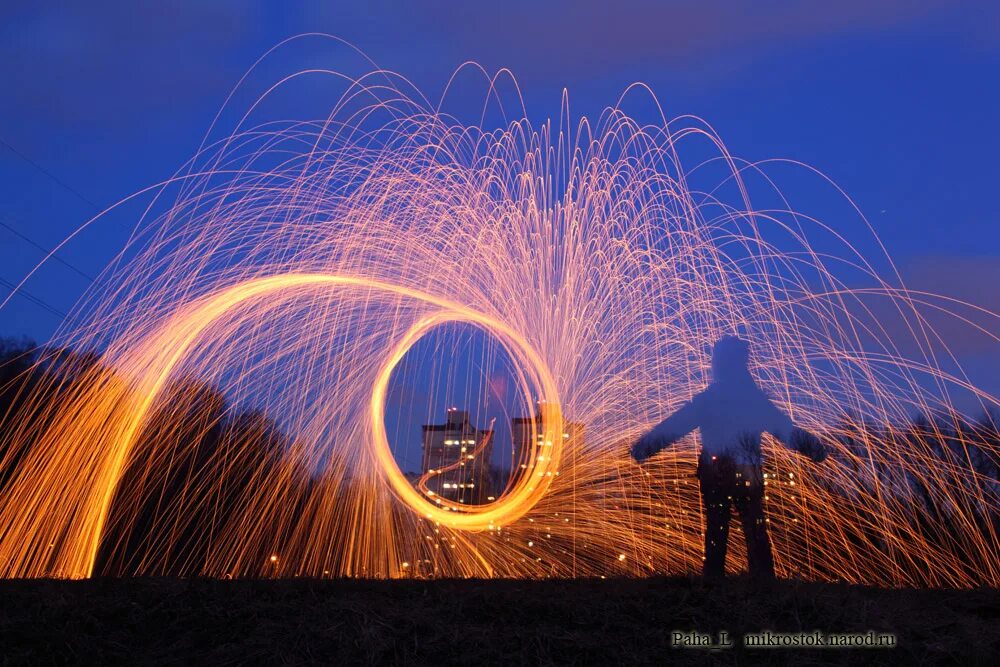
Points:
[(896, 101)]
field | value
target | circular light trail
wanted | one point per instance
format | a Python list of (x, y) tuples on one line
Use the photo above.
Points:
[(530, 485)]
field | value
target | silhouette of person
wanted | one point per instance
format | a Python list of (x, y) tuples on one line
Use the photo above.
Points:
[(732, 413)]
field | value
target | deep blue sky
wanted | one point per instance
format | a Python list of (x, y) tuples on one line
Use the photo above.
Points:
[(897, 101)]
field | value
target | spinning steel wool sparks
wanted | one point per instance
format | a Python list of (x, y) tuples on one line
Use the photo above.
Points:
[(300, 262)]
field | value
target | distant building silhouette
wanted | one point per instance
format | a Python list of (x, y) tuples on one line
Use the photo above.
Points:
[(458, 453), (523, 429)]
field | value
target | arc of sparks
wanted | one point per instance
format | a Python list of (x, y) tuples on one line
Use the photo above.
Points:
[(593, 256), (165, 349)]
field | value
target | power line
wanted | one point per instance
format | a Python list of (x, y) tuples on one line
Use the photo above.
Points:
[(48, 173), (48, 253), (66, 186), (32, 298)]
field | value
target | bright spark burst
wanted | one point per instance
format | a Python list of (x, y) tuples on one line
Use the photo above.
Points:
[(300, 261)]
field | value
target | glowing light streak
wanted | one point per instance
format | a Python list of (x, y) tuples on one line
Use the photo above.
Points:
[(299, 263)]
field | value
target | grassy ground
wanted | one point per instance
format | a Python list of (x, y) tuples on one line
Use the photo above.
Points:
[(600, 622)]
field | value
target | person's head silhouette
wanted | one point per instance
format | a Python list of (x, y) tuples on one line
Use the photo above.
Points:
[(730, 356)]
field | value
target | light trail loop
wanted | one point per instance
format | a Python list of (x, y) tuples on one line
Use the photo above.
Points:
[(541, 463), (178, 336)]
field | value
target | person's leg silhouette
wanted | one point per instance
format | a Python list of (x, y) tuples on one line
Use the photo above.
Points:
[(749, 501), (716, 496)]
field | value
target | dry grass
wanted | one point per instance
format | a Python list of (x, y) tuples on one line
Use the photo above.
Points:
[(608, 622)]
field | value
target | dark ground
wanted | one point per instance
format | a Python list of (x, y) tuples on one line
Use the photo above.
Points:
[(110, 621)]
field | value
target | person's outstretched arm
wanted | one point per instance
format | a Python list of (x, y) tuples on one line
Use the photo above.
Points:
[(795, 438), (667, 432)]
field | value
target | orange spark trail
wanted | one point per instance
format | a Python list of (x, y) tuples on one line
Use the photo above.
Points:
[(297, 264)]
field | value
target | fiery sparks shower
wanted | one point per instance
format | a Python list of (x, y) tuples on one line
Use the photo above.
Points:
[(297, 264)]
